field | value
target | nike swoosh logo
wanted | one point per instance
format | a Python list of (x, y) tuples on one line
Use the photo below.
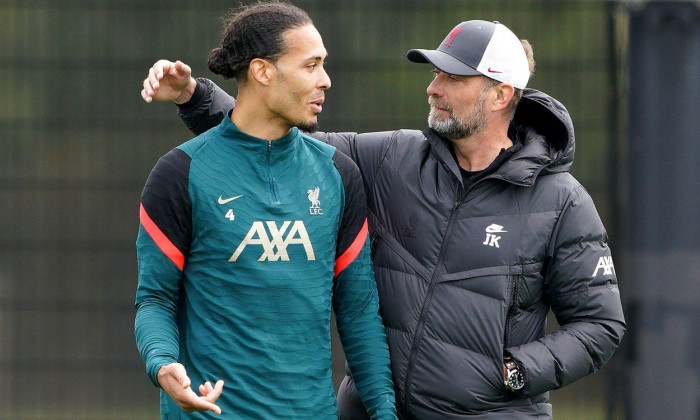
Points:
[(494, 228), (227, 200), (494, 71)]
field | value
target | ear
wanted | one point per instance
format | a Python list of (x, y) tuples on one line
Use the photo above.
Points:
[(503, 93), (261, 71)]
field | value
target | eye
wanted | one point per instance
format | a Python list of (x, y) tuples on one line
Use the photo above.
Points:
[(451, 77)]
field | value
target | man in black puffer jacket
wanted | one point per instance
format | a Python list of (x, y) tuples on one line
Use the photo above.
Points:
[(478, 231)]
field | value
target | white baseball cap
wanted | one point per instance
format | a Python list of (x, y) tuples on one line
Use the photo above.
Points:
[(479, 47)]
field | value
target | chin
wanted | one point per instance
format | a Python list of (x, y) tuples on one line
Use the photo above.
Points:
[(308, 126)]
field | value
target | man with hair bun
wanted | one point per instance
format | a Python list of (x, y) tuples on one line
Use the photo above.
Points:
[(479, 230), (249, 234)]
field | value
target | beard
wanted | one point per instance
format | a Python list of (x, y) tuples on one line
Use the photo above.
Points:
[(308, 127), (453, 127)]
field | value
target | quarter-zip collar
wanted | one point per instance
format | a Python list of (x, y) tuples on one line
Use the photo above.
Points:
[(230, 131), (271, 159)]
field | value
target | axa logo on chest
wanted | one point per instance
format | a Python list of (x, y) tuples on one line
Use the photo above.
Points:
[(274, 240)]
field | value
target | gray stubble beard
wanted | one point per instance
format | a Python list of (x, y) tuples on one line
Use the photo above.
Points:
[(455, 128)]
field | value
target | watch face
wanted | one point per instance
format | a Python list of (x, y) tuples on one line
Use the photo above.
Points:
[(515, 380)]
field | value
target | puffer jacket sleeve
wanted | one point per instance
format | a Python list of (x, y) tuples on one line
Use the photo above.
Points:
[(207, 107), (581, 287), (368, 150)]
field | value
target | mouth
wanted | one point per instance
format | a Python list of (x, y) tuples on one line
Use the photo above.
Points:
[(444, 109), (317, 105), (439, 106)]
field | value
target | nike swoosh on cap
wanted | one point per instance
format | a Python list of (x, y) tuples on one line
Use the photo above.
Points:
[(227, 200), (494, 71)]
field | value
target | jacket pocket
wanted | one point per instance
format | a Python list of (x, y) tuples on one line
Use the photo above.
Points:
[(459, 361), (527, 309)]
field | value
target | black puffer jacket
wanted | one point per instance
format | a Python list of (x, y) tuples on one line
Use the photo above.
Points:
[(466, 276)]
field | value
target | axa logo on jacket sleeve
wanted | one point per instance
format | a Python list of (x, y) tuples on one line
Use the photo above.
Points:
[(274, 246), (605, 264)]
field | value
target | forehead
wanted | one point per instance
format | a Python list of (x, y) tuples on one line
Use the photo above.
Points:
[(303, 42)]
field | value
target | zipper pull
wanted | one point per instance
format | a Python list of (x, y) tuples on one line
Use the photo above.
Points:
[(455, 205)]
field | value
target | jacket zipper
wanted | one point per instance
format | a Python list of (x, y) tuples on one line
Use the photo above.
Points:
[(418, 338), (270, 180), (511, 311), (514, 285)]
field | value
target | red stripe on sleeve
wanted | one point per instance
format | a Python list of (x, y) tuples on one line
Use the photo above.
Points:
[(353, 250), (161, 240)]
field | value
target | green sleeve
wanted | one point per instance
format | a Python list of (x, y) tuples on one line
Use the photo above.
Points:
[(363, 337), (155, 326)]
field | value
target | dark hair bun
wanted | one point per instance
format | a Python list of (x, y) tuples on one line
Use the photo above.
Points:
[(218, 63)]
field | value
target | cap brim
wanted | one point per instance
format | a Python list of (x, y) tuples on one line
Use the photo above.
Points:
[(442, 61)]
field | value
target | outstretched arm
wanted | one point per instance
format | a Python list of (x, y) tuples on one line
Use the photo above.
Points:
[(202, 105)]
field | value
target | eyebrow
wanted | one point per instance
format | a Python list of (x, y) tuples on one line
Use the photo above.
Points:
[(317, 58)]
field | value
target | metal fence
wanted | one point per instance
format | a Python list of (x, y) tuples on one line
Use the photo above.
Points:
[(77, 143)]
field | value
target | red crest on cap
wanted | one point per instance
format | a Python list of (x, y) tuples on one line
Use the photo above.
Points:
[(452, 36)]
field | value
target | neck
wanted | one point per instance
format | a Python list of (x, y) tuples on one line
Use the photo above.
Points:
[(252, 117), (477, 152)]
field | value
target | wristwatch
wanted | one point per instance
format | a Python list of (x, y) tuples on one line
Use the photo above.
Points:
[(514, 379)]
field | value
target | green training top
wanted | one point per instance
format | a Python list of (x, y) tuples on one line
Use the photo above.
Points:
[(243, 247)]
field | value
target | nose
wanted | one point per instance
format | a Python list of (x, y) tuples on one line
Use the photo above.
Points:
[(433, 88), (325, 80)]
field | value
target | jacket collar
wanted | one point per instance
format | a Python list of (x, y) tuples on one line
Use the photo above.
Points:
[(441, 149)]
